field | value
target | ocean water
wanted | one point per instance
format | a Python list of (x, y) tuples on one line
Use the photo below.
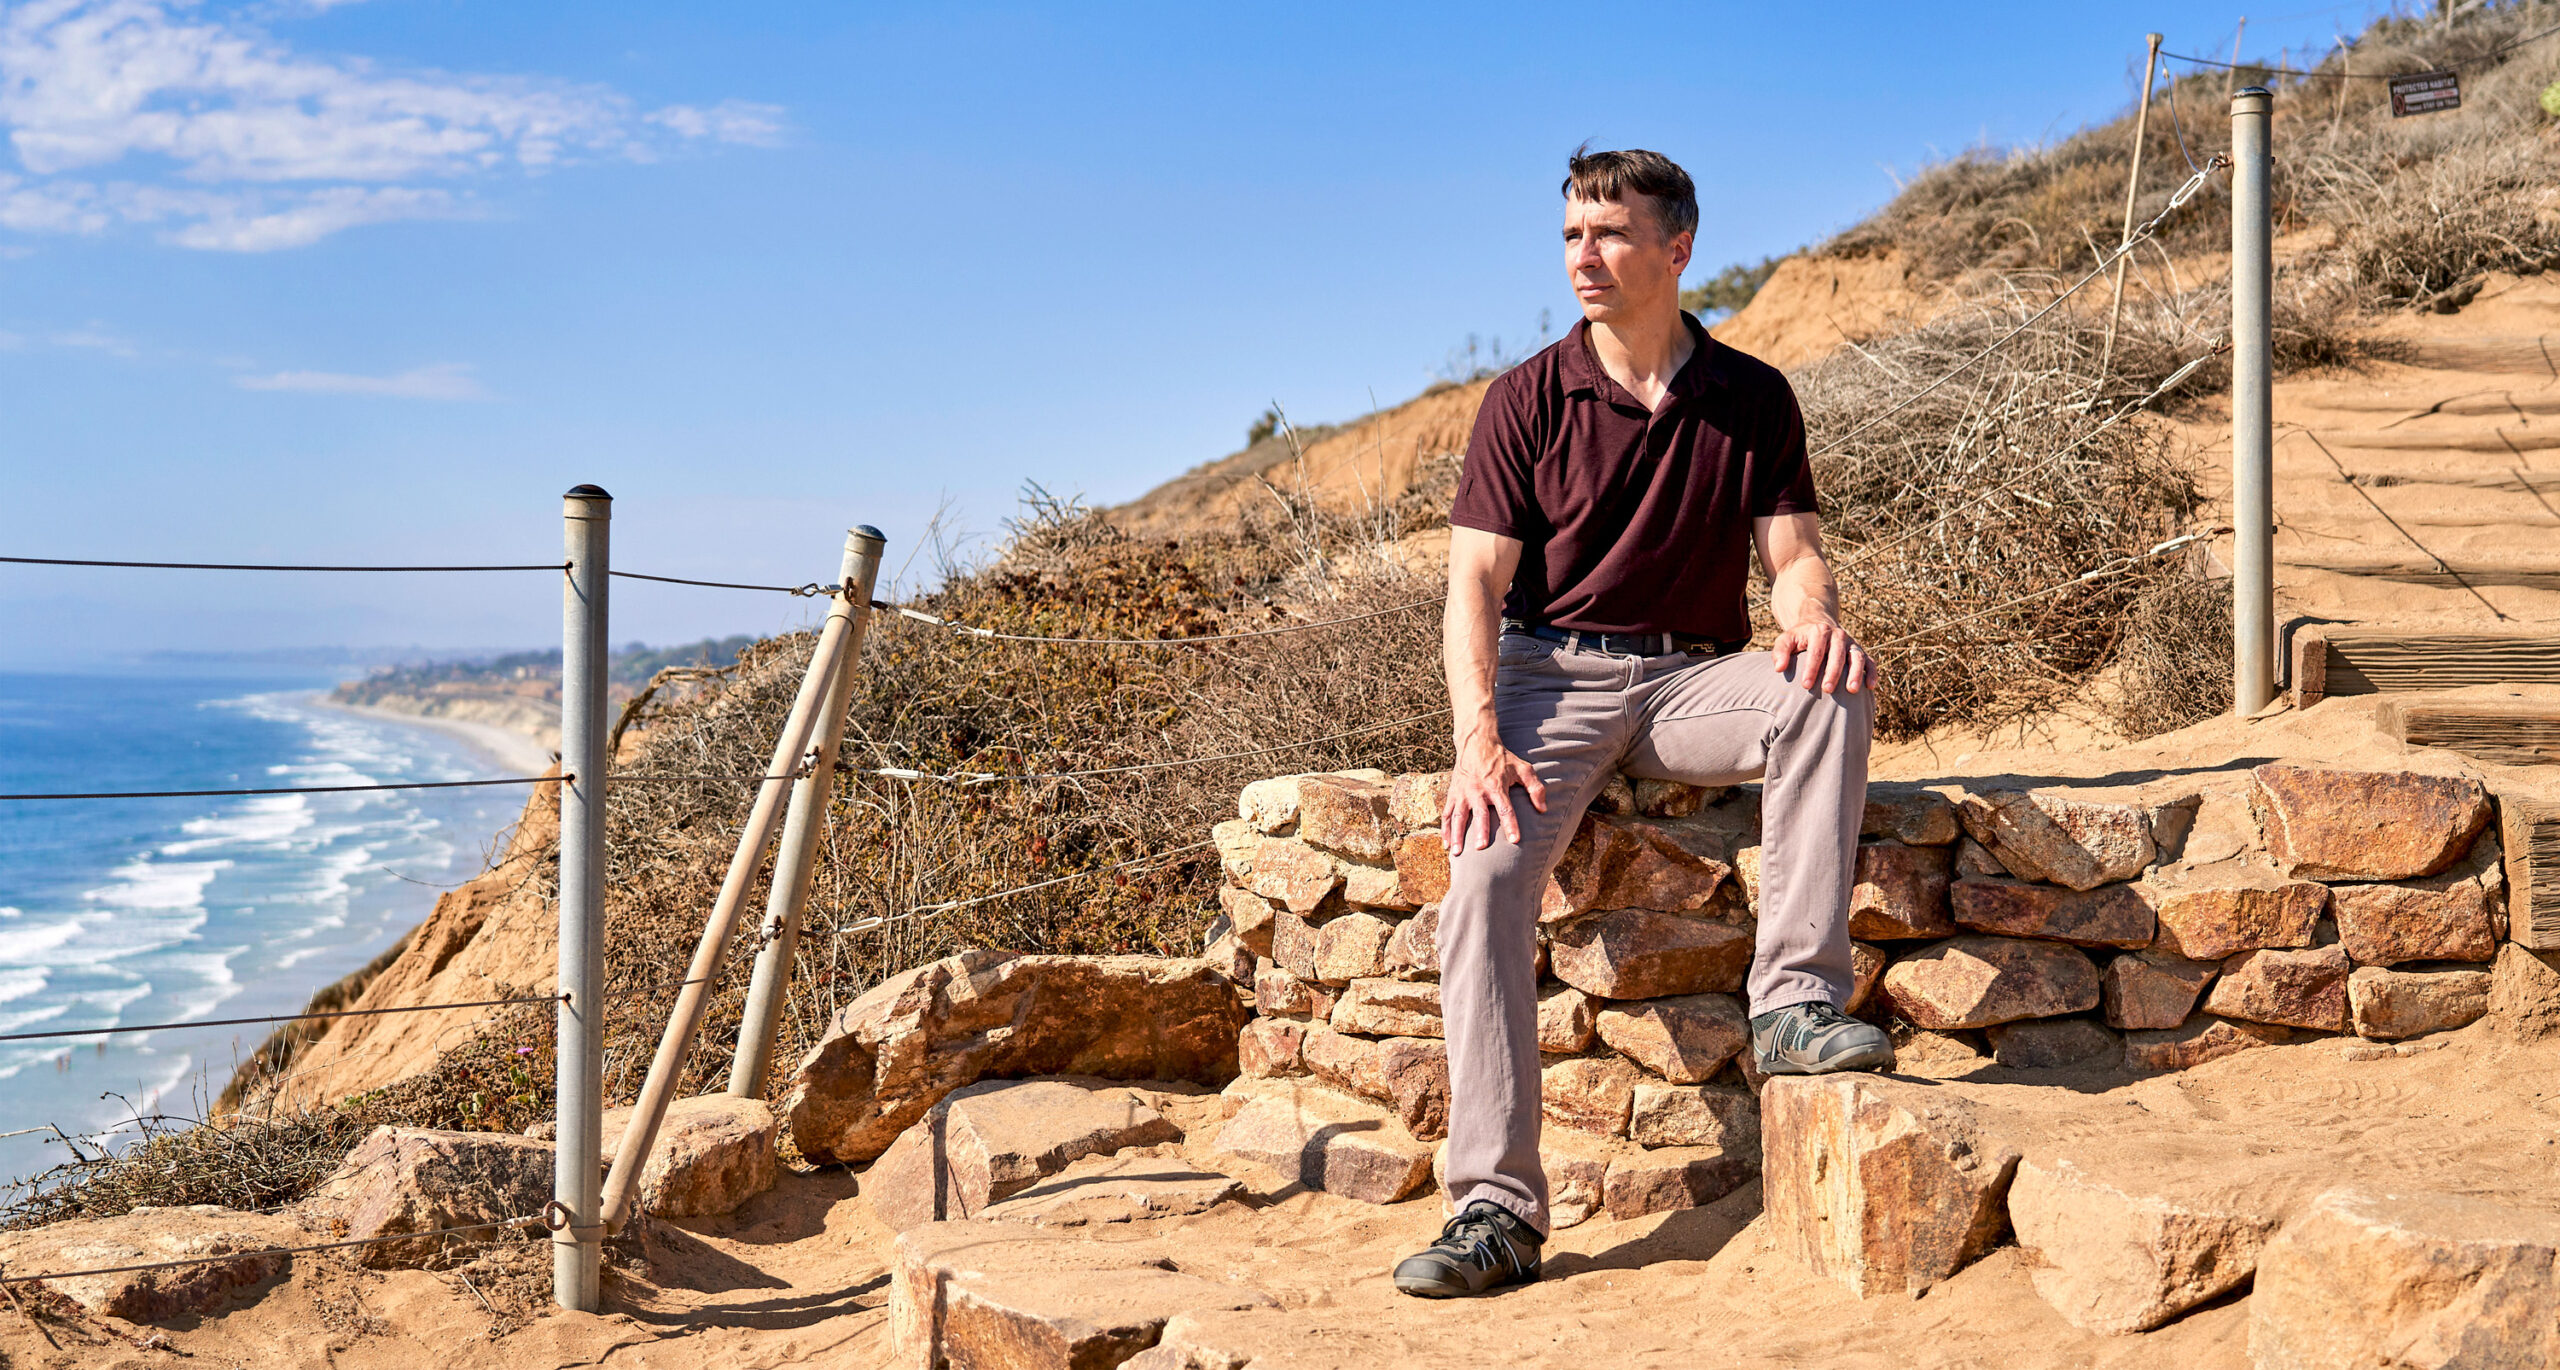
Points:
[(176, 910)]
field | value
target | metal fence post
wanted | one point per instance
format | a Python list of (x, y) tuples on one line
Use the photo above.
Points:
[(804, 827), (2253, 603), (578, 1167)]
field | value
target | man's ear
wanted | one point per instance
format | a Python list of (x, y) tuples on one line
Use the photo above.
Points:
[(1681, 246)]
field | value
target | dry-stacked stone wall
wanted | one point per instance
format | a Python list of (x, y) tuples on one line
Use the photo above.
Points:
[(2040, 925)]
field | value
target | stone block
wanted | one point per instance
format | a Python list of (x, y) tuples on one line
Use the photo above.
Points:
[(1238, 842), (1910, 814), (900, 1049), (2054, 1043), (1249, 916), (2389, 1005), (1292, 874), (1635, 863), (1327, 1141), (1277, 992), (2058, 837), (1414, 952), (1372, 887), (1671, 799), (2116, 1256), (993, 1140), (1389, 1008), (1422, 867), (2108, 916), (414, 1180), (2153, 990), (1644, 954), (2438, 919), (2305, 988), (245, 1241), (1344, 1061), (1294, 942), (2198, 1040), (1414, 801), (1347, 817), (1352, 947), (1268, 1048), (1590, 1093), (1721, 1116), (1866, 966), (1007, 1296), (1567, 1020), (2209, 913), (2524, 992), (1115, 1189), (1416, 1073), (1974, 861), (1685, 1038), (1670, 1179), (2366, 825), (1886, 1186), (1972, 982), (712, 1153), (2410, 1280), (1901, 893)]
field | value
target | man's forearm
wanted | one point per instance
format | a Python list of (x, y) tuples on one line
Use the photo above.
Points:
[(1804, 590), (1470, 643)]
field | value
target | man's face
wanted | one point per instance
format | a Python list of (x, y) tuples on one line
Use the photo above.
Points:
[(1623, 266)]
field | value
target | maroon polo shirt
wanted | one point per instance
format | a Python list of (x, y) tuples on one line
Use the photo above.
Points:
[(1632, 521)]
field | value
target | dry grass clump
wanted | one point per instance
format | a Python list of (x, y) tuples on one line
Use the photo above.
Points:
[(2173, 666)]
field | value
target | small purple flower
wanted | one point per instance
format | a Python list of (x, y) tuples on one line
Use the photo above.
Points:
[(524, 1051)]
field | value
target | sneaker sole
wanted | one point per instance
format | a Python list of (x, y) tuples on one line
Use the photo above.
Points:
[(1433, 1289), (1856, 1060)]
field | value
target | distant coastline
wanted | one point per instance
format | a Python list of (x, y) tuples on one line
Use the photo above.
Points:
[(506, 749)]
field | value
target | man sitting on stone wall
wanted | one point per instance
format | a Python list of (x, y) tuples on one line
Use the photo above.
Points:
[(1597, 562)]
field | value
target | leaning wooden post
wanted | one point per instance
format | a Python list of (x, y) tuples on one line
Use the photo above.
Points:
[(577, 1249), (667, 1067), (2132, 188), (794, 863)]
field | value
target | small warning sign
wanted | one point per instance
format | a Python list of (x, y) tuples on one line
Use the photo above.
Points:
[(2427, 92)]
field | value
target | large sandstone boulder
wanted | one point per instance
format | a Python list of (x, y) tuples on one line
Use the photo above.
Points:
[(1900, 894), (1389, 1008), (900, 1049), (1886, 1186), (1910, 814), (2304, 989), (2199, 1040), (1591, 1093), (246, 1242), (1725, 1117), (2057, 837), (2440, 918), (1640, 953), (1351, 947), (2109, 916), (1972, 982), (2392, 1004), (712, 1154), (2412, 1281), (2153, 990), (1003, 1296), (2114, 1255), (1328, 1141), (414, 1180), (2208, 913), (995, 1139), (2366, 825), (1568, 1020), (1685, 1039)]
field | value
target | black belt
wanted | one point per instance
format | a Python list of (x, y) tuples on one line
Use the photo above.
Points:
[(1623, 644)]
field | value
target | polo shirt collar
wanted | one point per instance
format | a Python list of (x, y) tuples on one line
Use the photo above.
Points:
[(1708, 364)]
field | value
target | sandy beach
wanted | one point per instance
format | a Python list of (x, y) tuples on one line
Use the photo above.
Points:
[(511, 752)]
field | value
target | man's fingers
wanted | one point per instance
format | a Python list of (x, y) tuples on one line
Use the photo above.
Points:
[(1841, 650), (1537, 788), (1816, 656), (1782, 651), (1861, 670), (1510, 820)]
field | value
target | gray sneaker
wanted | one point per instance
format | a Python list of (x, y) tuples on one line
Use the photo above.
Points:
[(1817, 1039), (1481, 1250)]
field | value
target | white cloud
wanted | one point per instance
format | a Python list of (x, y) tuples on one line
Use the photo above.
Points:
[(446, 381), (230, 140)]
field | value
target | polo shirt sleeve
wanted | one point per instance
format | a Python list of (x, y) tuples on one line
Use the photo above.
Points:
[(1782, 473), (1497, 485)]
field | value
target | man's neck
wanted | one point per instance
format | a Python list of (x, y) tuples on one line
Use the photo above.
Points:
[(1644, 355)]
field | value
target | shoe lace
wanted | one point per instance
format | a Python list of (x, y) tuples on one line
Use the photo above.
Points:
[(1475, 1236), (1811, 1020)]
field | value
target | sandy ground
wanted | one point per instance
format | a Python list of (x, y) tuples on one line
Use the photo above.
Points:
[(801, 1275), (507, 750)]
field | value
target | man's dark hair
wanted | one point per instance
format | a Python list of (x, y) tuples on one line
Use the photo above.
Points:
[(1611, 176)]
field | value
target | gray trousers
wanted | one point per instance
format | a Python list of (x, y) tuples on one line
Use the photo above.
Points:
[(1577, 716)]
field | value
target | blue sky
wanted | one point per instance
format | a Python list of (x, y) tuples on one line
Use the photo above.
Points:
[(360, 280)]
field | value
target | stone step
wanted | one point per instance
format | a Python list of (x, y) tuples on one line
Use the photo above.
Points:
[(1000, 1296)]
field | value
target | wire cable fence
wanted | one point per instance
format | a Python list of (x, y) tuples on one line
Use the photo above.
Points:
[(2484, 59), (276, 1018), (551, 1220)]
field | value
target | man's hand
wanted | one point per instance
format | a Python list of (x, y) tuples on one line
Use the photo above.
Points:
[(1831, 658), (1480, 790)]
